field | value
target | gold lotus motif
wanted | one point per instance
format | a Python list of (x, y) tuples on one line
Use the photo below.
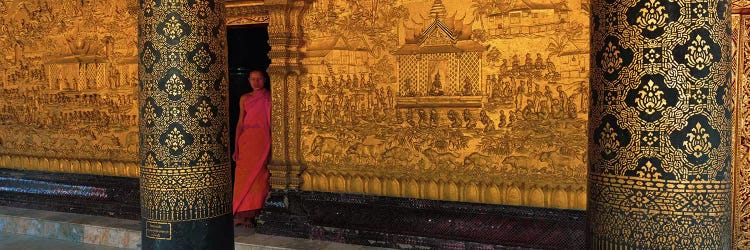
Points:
[(650, 98), (697, 143), (609, 139), (698, 55), (652, 16), (611, 60)]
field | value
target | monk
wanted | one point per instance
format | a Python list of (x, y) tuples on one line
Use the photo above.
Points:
[(252, 148)]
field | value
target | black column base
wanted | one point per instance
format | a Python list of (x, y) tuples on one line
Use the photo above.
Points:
[(213, 233), (415, 223)]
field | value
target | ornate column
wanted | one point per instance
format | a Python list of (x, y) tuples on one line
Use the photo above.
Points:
[(285, 39), (283, 213), (660, 125), (186, 188)]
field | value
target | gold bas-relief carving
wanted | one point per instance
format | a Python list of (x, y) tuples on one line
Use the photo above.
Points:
[(68, 80), (738, 5), (430, 99), (246, 12), (741, 175)]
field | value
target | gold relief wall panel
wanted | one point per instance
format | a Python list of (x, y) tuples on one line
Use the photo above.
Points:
[(479, 101), (741, 175), (68, 80)]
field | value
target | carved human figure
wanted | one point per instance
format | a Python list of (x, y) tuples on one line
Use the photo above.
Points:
[(436, 88), (528, 111), (454, 119), (434, 118), (470, 122), (571, 108), (562, 96), (489, 125), (407, 91), (516, 64), (539, 63), (467, 88), (529, 63), (423, 119), (501, 119)]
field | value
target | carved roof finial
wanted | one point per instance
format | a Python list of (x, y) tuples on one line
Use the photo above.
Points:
[(438, 10)]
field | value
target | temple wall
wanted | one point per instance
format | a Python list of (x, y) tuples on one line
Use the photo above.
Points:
[(68, 80), (68, 84), (507, 124)]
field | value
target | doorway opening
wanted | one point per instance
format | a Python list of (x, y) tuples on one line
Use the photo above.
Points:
[(247, 50)]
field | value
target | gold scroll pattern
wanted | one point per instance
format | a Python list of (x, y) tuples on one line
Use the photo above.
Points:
[(67, 86), (246, 12), (741, 177), (481, 100), (185, 171), (738, 5), (660, 129)]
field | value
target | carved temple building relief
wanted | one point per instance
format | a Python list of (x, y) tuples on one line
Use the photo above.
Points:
[(496, 94), (68, 84)]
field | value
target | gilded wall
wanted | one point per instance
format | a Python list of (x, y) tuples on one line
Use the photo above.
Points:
[(479, 101), (68, 78)]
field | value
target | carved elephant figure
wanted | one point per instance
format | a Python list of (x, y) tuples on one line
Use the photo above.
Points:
[(322, 145)]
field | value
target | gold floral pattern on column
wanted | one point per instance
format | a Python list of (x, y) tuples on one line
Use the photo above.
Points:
[(185, 173), (659, 128), (699, 56), (611, 60), (697, 142), (651, 99), (173, 28), (652, 16)]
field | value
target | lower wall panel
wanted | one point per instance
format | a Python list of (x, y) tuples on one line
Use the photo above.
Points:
[(74, 193), (415, 223)]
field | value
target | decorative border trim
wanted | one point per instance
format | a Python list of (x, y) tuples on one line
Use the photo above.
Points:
[(510, 192), (74, 166), (246, 13)]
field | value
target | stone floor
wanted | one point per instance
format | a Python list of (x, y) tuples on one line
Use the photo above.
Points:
[(11, 241), (34, 229)]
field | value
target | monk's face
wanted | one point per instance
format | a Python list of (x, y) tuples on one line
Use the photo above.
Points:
[(257, 81)]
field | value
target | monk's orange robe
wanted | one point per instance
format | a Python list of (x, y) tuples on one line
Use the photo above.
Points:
[(252, 148)]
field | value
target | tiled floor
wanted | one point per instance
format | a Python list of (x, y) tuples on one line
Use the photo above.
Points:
[(246, 239), (34, 229), (9, 241)]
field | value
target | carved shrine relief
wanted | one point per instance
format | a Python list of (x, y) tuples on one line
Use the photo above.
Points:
[(68, 84), (400, 97)]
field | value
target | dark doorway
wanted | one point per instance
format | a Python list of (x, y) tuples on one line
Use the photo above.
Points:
[(247, 50)]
